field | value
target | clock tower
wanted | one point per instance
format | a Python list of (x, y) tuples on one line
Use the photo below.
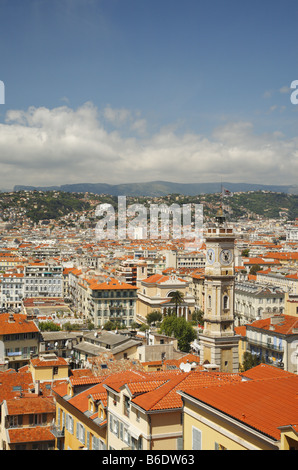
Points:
[(219, 344)]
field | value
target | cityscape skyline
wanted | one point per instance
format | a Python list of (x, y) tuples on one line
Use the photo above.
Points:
[(111, 91)]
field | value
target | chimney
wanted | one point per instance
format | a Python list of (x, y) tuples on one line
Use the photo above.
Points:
[(11, 318), (37, 387)]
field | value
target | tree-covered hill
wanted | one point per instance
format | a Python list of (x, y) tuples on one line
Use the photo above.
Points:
[(44, 205)]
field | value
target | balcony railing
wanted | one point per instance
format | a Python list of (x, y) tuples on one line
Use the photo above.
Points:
[(266, 345), (57, 432)]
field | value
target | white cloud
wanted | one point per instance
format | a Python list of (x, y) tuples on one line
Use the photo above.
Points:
[(284, 89), (117, 117), (43, 146)]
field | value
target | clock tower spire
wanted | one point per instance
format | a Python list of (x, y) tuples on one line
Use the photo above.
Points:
[(219, 344)]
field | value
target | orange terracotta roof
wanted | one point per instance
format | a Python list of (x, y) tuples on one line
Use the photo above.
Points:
[(259, 261), (240, 330), (265, 371), (110, 285), (39, 362), (60, 388), (136, 388), (11, 379), (166, 396), (282, 256), (30, 405), (75, 381), (159, 278), (32, 434), (81, 372), (264, 404), (285, 326), (19, 325)]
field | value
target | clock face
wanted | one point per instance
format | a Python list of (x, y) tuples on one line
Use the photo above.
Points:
[(210, 256), (226, 257)]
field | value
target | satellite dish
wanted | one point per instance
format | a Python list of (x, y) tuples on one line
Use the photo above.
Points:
[(185, 367)]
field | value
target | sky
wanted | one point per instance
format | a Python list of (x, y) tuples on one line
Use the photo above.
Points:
[(123, 91)]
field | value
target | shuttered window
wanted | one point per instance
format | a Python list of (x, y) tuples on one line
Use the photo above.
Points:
[(196, 439)]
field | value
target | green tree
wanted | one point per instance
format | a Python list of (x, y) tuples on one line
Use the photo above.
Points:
[(177, 298), (254, 269), (249, 361), (153, 317), (68, 326), (180, 329), (49, 326), (197, 316), (109, 325), (245, 252)]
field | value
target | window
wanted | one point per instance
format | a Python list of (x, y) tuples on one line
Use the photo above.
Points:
[(37, 419), (80, 433), (126, 436), (126, 406), (225, 302), (95, 443), (15, 421), (70, 424), (196, 439)]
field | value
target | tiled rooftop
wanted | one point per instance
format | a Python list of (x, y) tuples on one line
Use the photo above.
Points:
[(264, 404)]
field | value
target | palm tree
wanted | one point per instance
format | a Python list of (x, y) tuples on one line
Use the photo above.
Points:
[(178, 298)]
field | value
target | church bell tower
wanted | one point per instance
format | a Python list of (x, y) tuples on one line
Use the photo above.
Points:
[(219, 344)]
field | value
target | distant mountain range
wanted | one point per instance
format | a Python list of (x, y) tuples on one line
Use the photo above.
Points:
[(160, 188)]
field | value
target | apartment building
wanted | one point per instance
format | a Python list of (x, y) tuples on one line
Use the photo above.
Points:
[(20, 338), (274, 340), (254, 300), (43, 280), (27, 404), (80, 421), (292, 233), (26, 423), (97, 342), (287, 281), (11, 290), (184, 259), (107, 299), (144, 413), (9, 261)]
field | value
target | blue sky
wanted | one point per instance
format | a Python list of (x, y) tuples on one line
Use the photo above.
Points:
[(139, 90)]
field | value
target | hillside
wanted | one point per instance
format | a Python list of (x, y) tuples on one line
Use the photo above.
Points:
[(160, 188), (38, 206)]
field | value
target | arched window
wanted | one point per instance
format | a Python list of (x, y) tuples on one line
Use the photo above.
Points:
[(209, 301), (225, 302)]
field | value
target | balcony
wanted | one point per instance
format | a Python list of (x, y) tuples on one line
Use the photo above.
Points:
[(265, 345), (57, 432)]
